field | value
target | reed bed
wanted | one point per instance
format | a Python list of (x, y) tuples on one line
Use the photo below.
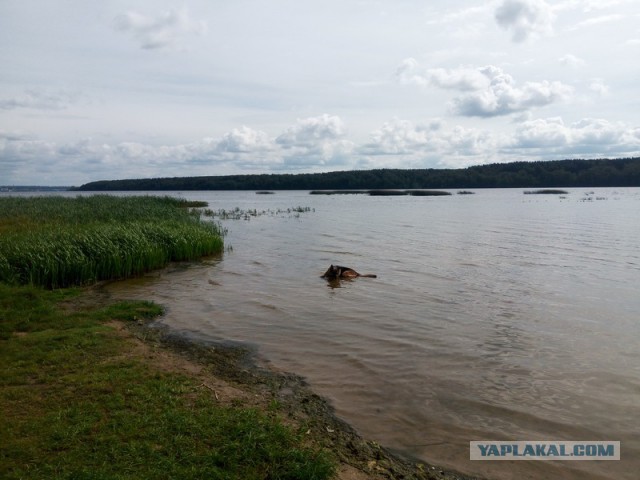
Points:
[(240, 214), (59, 242)]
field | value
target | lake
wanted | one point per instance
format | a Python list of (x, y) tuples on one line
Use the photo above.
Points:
[(495, 316)]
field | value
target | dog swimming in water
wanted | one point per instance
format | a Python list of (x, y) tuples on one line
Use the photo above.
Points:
[(336, 272)]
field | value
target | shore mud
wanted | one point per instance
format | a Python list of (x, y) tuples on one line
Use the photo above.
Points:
[(233, 374)]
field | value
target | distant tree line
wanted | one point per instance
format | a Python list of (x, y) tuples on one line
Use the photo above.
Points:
[(623, 172)]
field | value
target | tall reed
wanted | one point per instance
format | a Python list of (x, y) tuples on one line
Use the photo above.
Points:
[(58, 242)]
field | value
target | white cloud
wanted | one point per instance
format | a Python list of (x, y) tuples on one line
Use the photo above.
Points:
[(590, 5), (462, 15), (570, 60), (38, 99), (401, 137), (587, 137), (590, 22), (539, 133), (462, 78), (158, 32), (314, 144), (504, 97), (315, 141), (427, 145), (525, 18), (310, 131), (244, 140), (491, 91), (599, 87)]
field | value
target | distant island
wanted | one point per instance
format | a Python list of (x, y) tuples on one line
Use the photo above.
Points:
[(624, 172)]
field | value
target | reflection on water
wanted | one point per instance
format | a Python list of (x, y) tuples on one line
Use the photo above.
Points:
[(494, 316)]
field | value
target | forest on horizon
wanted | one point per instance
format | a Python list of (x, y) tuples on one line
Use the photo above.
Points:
[(623, 172)]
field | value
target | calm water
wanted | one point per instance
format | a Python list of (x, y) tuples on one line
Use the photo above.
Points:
[(494, 316)]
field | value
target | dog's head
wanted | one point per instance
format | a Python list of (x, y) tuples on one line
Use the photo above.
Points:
[(332, 272)]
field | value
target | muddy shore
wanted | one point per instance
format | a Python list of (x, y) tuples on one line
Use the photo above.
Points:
[(233, 375)]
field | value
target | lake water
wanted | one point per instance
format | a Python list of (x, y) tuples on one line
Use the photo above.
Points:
[(495, 316)]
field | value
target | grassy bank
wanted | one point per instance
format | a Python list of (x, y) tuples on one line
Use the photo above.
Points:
[(59, 242), (76, 401)]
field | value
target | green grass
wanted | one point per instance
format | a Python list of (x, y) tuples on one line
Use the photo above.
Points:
[(59, 242), (75, 403), (76, 400)]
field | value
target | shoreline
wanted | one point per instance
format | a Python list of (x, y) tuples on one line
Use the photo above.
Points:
[(233, 374)]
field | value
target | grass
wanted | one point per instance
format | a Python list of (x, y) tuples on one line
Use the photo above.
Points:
[(76, 403), (60, 242), (77, 400)]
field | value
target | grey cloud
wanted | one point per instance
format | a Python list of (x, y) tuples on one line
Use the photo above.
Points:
[(38, 100), (570, 60), (311, 131), (524, 18), (158, 32)]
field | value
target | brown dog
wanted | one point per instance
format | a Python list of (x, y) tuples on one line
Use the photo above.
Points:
[(335, 272)]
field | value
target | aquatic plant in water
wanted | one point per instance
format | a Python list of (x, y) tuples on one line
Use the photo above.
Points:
[(241, 214), (58, 242)]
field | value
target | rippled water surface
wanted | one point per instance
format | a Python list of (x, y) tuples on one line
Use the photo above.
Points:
[(494, 316)]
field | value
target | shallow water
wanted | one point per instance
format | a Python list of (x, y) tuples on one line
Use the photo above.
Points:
[(496, 316)]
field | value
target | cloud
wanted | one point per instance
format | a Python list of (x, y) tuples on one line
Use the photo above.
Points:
[(462, 15), (409, 72), (312, 130), (590, 22), (591, 5), (309, 144), (540, 133), (163, 31), (404, 144), (525, 18), (401, 137), (243, 148), (490, 90), (312, 144), (503, 96), (570, 60), (244, 140), (315, 141), (587, 137), (38, 100), (598, 86)]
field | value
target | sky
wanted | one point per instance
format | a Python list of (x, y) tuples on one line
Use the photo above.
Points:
[(141, 89)]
